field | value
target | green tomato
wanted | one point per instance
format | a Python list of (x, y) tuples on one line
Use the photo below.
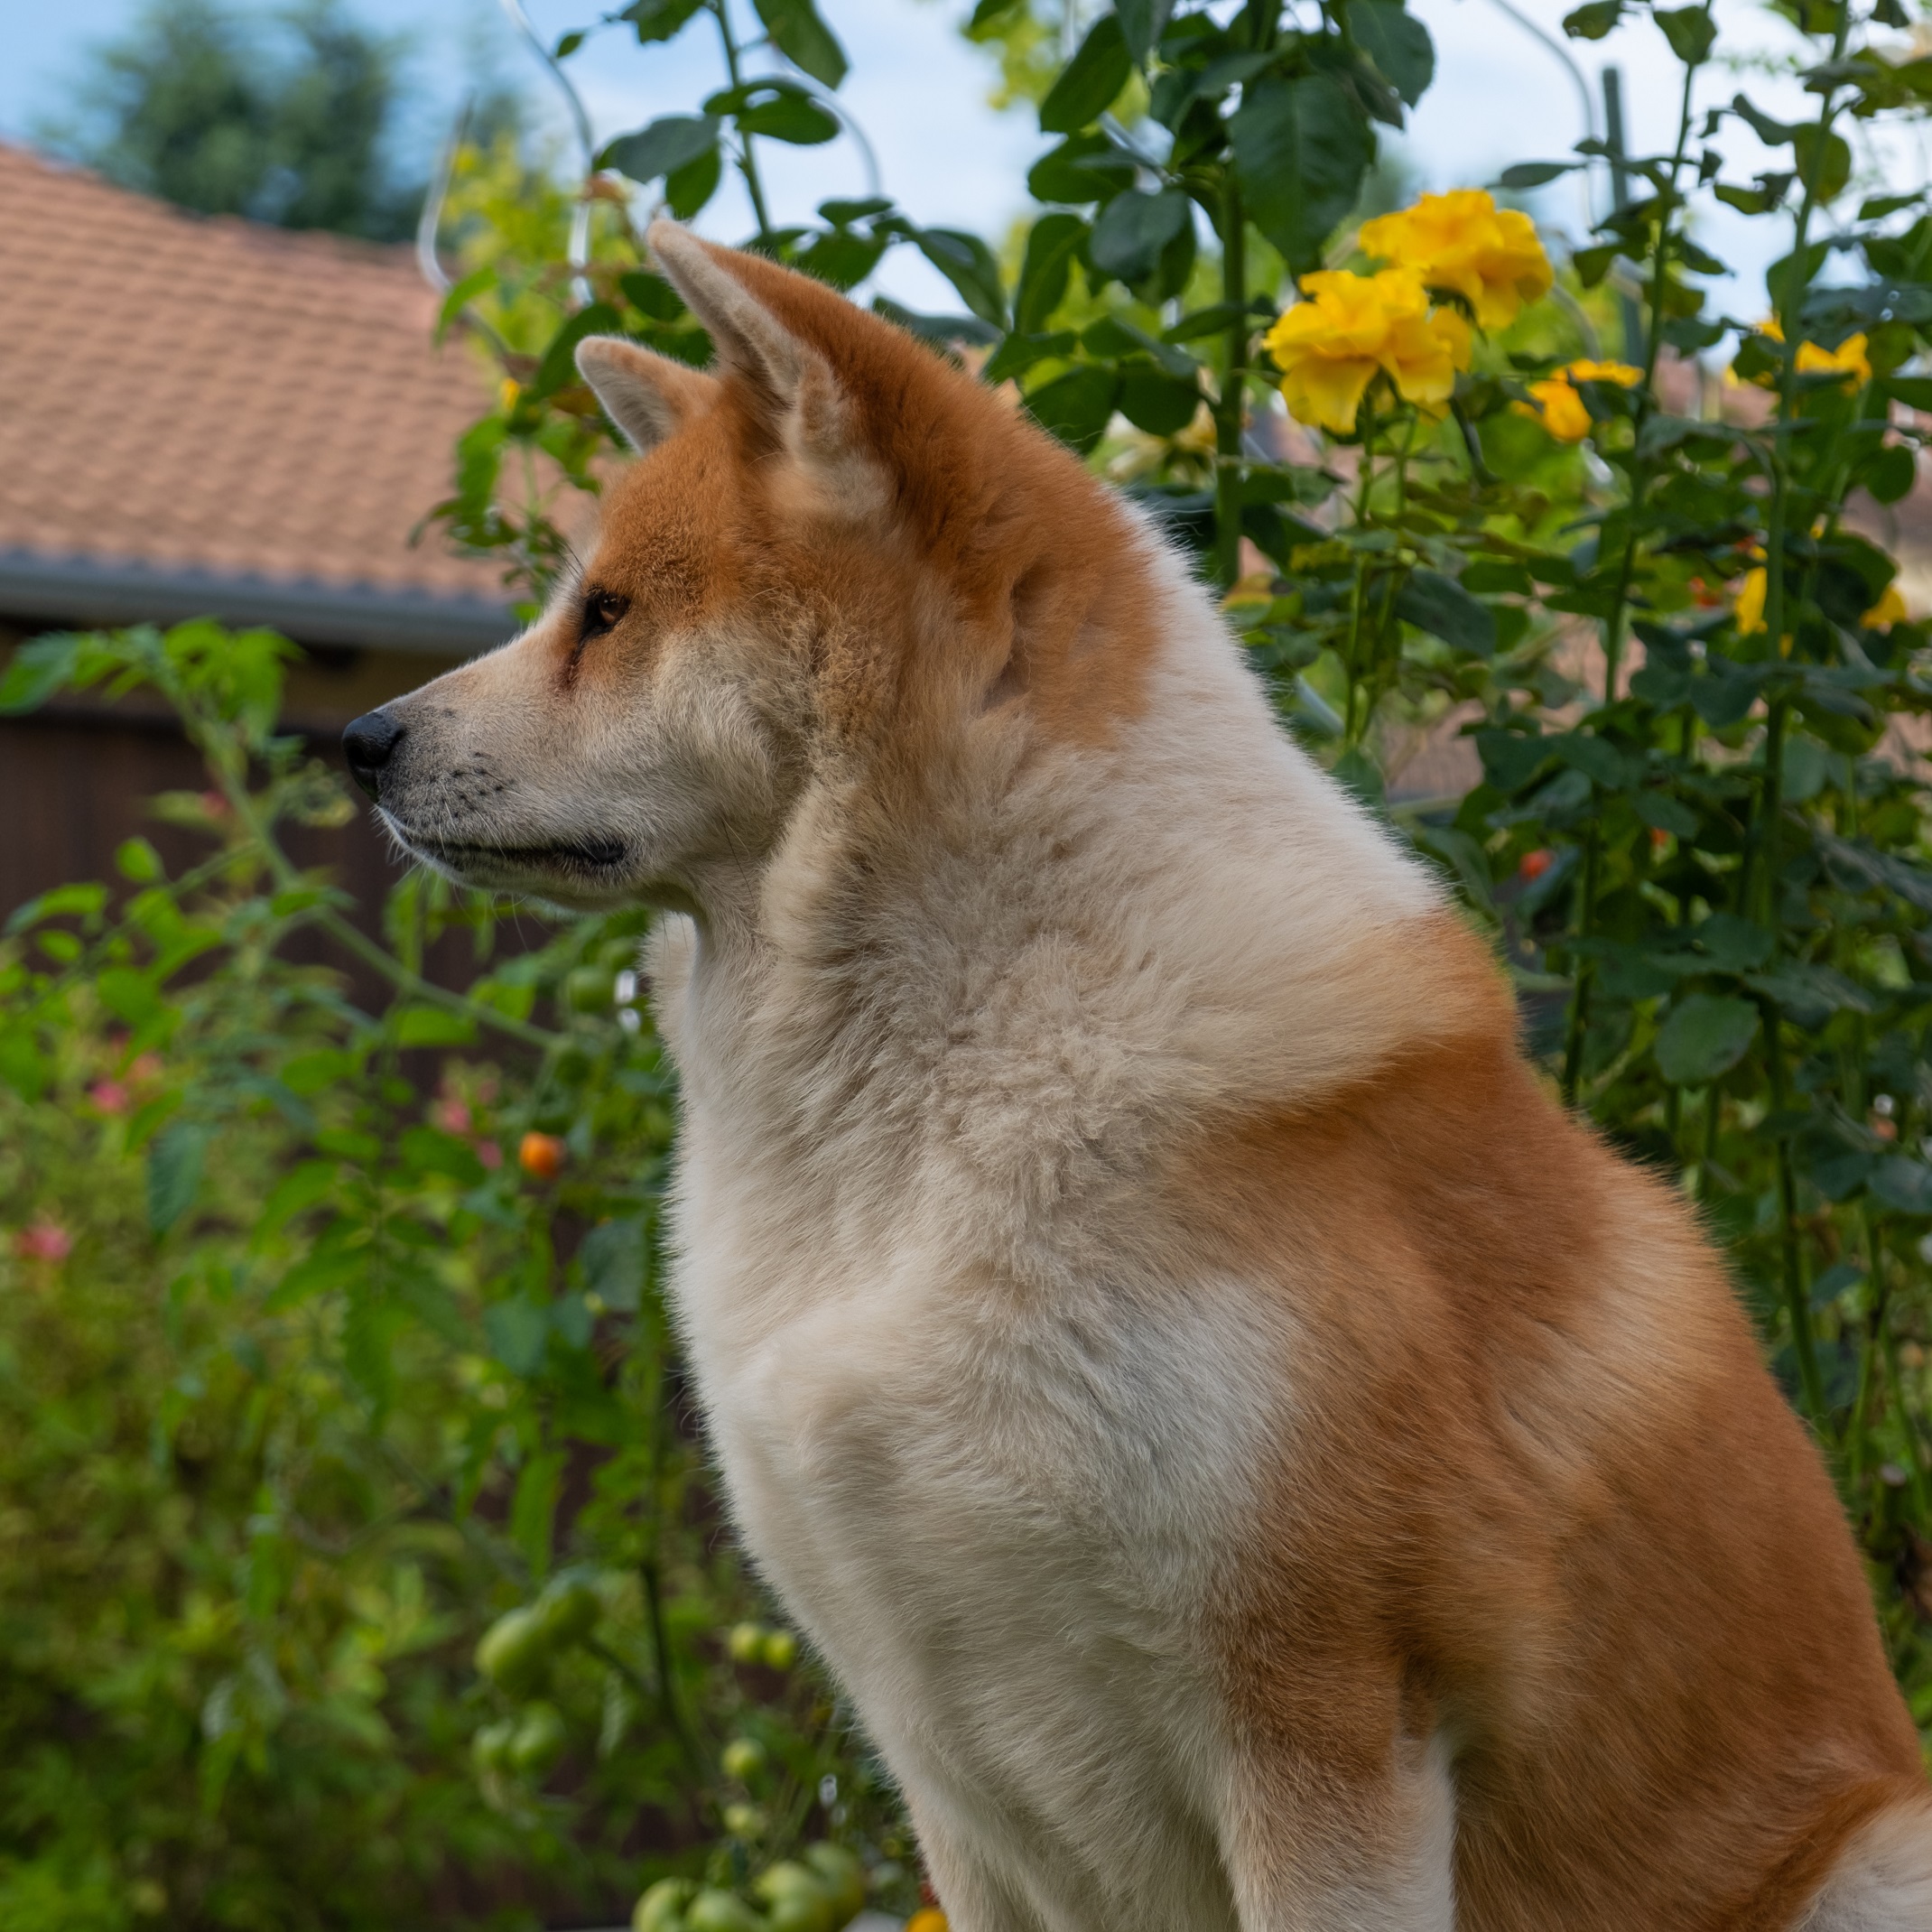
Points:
[(489, 1748), (780, 1649), (743, 1821), (796, 1899), (539, 1741), (842, 1875), (569, 1611), (744, 1759), (721, 1911), (662, 1908), (747, 1643), (515, 1652)]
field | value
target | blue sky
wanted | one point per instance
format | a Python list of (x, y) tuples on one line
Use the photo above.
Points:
[(920, 91)]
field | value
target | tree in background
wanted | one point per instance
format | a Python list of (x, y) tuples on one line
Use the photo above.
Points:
[(196, 105)]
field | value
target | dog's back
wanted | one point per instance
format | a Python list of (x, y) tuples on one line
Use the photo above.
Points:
[(1251, 1457)]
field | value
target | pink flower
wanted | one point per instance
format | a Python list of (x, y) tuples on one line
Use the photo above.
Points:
[(43, 1241), (490, 1154), (451, 1115), (109, 1096)]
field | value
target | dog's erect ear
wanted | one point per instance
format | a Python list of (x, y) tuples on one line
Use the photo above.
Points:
[(647, 396), (792, 385)]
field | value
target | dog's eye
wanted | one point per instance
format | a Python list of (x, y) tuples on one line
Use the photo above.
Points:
[(602, 610)]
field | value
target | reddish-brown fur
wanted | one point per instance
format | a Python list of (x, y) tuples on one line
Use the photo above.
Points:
[(1036, 561), (1545, 1496)]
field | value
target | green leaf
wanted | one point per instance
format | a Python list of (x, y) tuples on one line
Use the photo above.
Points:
[(517, 1331), (969, 265), (1085, 168), (1889, 472), (613, 1255), (1691, 31), (1592, 22), (671, 140), (558, 369), (1738, 944), (1398, 43), (1019, 353), (1159, 404), (534, 1508), (1773, 134), (1077, 408), (1440, 605), (1533, 173), (659, 20), (1902, 1183), (174, 1164), (1826, 167), (689, 187), (781, 110), (1053, 246), (1089, 82), (35, 672), (1133, 228), (1706, 1035), (1301, 148), (988, 12), (136, 859), (804, 39), (1142, 23)]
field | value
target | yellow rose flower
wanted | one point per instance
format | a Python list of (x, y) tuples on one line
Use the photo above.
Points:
[(1849, 357), (1560, 409), (1889, 609), (1463, 241), (1351, 328), (1749, 609)]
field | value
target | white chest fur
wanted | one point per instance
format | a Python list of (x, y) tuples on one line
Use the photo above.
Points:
[(996, 1516)]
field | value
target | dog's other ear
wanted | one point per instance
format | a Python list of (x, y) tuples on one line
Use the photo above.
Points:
[(647, 396), (791, 387)]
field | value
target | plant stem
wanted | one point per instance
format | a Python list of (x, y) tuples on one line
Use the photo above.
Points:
[(747, 163), (1232, 406), (1797, 1297), (1577, 1030)]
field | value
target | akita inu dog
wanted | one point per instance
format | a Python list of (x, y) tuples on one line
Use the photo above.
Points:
[(1253, 1460)]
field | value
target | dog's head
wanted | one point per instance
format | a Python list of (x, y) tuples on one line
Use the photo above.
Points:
[(832, 548)]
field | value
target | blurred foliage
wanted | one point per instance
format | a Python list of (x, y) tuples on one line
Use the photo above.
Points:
[(331, 1341)]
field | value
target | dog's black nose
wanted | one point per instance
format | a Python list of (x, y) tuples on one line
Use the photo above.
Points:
[(367, 745)]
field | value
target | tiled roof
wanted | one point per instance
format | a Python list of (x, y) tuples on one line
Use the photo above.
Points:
[(216, 399)]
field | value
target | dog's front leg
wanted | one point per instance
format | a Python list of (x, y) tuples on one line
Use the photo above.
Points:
[(1329, 1845)]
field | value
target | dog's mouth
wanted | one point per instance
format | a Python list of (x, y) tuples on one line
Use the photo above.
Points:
[(588, 856)]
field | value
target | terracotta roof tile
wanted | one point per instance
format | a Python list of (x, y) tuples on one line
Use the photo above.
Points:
[(212, 394)]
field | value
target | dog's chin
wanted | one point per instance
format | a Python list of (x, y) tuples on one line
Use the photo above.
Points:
[(588, 872)]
